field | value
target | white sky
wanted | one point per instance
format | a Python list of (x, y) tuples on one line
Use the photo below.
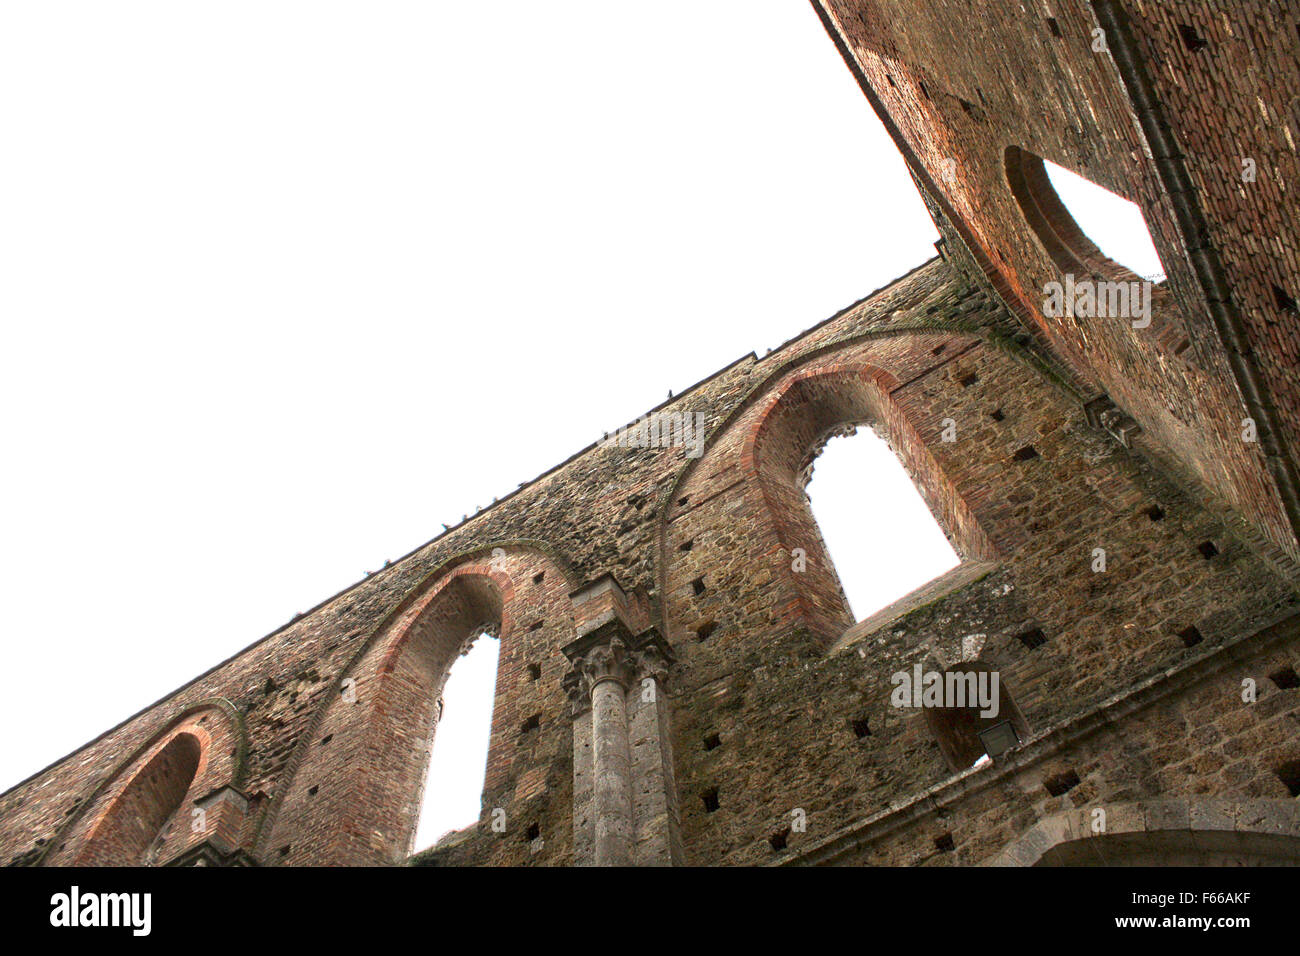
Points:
[(881, 536), (284, 286), (458, 763)]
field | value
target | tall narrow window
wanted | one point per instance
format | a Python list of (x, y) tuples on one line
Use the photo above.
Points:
[(463, 726), (879, 531)]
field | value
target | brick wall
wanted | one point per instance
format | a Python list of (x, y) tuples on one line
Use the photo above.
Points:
[(961, 83), (1126, 684), (781, 705)]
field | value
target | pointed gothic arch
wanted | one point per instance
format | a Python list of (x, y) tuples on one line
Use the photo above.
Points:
[(128, 833), (380, 720), (140, 813), (799, 415)]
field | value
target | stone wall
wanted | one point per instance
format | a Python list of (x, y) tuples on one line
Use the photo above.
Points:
[(681, 679), (969, 89)]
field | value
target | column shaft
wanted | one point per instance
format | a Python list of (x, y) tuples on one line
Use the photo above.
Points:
[(613, 771)]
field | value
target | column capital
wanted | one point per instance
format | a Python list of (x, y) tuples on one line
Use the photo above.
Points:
[(611, 652)]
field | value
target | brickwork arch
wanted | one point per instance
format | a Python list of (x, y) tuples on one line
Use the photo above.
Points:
[(1180, 831), (358, 788), (775, 442), (140, 814)]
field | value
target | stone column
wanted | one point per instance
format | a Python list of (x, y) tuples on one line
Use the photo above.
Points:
[(656, 839), (620, 813), (606, 670)]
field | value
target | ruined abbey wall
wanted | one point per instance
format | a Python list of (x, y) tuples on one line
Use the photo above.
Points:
[(969, 89), (681, 680)]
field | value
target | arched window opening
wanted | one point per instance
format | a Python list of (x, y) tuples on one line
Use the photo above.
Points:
[(1114, 224), (809, 410), (134, 828), (462, 728), (877, 529), (968, 733), (391, 723), (1085, 228), (1102, 247)]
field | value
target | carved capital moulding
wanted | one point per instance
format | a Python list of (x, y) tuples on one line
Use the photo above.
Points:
[(612, 652)]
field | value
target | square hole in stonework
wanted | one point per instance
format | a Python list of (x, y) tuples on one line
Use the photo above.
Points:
[(534, 671), (1191, 39), (712, 742), (686, 545), (539, 577), (860, 728), (312, 790), (968, 380), (698, 586), (284, 850), (1289, 774), (533, 832), (1285, 302), (1285, 678), (682, 500), (779, 840), (944, 843), (531, 724), (1155, 513), (1028, 453), (1034, 637), (997, 415), (1190, 637), (536, 626), (327, 738), (1207, 549), (1061, 783), (704, 631), (1053, 27), (937, 349), (710, 798)]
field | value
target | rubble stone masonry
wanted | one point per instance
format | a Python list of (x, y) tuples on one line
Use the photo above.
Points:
[(681, 680)]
